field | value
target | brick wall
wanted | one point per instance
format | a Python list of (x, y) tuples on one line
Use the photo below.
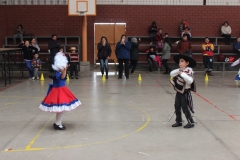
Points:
[(46, 20)]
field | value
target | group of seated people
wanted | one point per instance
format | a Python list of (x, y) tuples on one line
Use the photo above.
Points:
[(184, 45)]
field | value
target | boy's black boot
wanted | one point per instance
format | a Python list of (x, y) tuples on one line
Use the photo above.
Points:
[(190, 123), (177, 124)]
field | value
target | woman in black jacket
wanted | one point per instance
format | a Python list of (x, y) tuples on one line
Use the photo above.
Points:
[(104, 52), (28, 52), (134, 54)]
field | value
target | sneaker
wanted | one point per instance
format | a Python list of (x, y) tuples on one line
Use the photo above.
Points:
[(72, 77), (33, 78), (37, 77), (76, 77)]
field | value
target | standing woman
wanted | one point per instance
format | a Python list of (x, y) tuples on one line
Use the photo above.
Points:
[(134, 54), (104, 52), (123, 54), (28, 52), (166, 53), (226, 32)]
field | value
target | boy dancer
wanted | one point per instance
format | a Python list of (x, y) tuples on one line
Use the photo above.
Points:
[(183, 83)]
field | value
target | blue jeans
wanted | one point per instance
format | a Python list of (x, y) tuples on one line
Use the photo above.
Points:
[(103, 63), (28, 65), (208, 62)]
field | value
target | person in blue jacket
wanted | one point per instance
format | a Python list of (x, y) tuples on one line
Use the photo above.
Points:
[(236, 46), (123, 54)]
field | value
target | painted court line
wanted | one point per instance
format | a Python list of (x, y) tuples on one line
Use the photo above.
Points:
[(206, 100), (28, 148)]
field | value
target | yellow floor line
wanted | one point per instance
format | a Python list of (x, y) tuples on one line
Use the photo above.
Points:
[(35, 138), (28, 148)]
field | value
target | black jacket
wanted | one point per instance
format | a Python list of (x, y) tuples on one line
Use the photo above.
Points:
[(54, 47), (134, 51), (28, 52), (100, 48)]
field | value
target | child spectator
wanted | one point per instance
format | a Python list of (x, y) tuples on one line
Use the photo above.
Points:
[(152, 58), (36, 64), (236, 47), (74, 62), (226, 32), (207, 53), (19, 33), (183, 83), (152, 31), (59, 98)]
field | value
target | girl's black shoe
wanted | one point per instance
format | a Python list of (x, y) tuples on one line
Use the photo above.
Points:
[(57, 127)]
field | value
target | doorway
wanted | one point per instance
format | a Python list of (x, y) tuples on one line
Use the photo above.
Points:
[(113, 32)]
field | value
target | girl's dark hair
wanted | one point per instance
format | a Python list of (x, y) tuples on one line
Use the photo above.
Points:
[(122, 36), (105, 38), (226, 22), (21, 26), (153, 23)]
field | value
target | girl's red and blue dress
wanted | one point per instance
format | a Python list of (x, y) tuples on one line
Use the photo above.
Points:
[(59, 98)]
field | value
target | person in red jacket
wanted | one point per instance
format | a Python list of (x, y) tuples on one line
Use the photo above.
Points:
[(159, 41), (184, 45), (207, 53)]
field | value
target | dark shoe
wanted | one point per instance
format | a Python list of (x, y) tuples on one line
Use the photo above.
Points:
[(189, 125), (76, 77), (119, 77), (177, 124), (56, 127), (72, 77), (210, 74)]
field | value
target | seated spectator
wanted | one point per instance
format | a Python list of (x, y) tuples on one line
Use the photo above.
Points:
[(28, 52), (184, 45), (207, 53), (185, 29), (19, 33), (152, 58), (34, 44), (152, 31), (236, 46), (159, 41), (226, 32), (187, 33)]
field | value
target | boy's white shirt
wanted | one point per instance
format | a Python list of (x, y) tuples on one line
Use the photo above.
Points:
[(187, 75)]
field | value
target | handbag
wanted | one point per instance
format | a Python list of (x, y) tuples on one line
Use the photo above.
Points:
[(159, 45)]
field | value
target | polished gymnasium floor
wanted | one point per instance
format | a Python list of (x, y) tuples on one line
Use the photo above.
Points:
[(122, 120)]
